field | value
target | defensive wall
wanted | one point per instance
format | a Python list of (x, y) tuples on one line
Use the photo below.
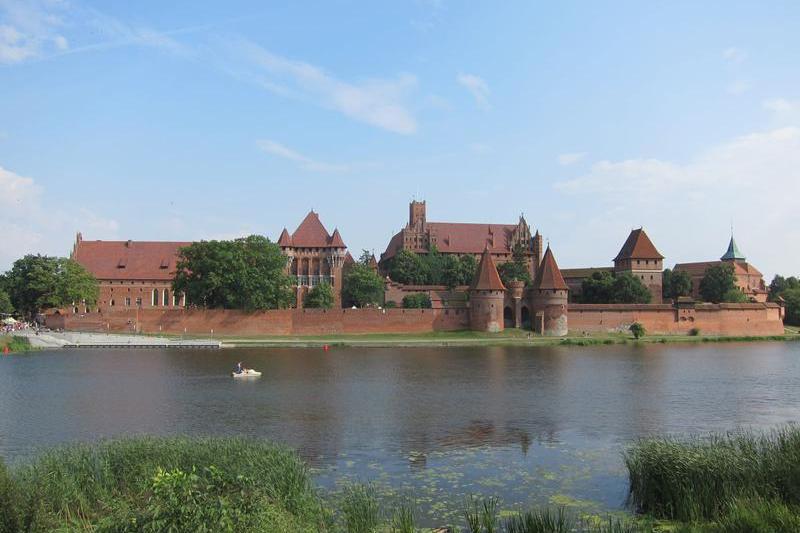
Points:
[(757, 319), (276, 322)]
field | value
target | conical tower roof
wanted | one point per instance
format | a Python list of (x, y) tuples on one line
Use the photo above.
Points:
[(549, 275), (486, 277), (336, 239), (284, 239), (638, 246), (733, 253)]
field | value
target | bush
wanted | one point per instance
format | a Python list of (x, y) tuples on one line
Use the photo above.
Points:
[(694, 332), (360, 510), (637, 329), (391, 304), (417, 301)]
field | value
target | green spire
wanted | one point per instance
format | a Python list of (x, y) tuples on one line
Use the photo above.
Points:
[(733, 253)]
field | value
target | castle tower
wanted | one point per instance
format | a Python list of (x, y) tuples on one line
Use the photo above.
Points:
[(486, 295), (537, 253), (416, 214), (640, 258), (549, 298), (732, 254)]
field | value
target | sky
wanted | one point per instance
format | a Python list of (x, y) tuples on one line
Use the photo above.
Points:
[(185, 120)]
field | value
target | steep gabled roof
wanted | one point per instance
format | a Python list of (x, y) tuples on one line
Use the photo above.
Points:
[(128, 260), (486, 277), (549, 276), (733, 253), (312, 234), (638, 246)]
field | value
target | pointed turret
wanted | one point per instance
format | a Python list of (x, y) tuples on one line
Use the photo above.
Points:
[(486, 277), (284, 240), (336, 240), (549, 275), (733, 253)]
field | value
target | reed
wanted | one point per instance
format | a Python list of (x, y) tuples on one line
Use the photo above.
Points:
[(696, 479)]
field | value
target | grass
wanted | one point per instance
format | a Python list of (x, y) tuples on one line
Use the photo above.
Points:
[(15, 344), (698, 479)]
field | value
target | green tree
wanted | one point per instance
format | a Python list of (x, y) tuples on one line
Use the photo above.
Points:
[(434, 264), (638, 330), (418, 300), (517, 268), (735, 296), (716, 283), (468, 265), (38, 282), (597, 288), (628, 289), (361, 285), (246, 273), (676, 284), (780, 284), (5, 303), (319, 297), (792, 302), (408, 268)]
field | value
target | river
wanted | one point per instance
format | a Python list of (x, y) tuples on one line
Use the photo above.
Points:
[(530, 425)]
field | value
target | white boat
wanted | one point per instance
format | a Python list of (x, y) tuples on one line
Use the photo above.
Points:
[(246, 373)]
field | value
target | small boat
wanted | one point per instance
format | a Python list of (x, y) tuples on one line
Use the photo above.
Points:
[(246, 373)]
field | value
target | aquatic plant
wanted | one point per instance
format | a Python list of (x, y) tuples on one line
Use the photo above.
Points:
[(360, 510)]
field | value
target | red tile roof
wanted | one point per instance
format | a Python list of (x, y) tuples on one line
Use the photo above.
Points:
[(549, 276), (128, 260), (638, 246), (312, 234), (284, 239), (462, 238), (699, 269), (486, 277)]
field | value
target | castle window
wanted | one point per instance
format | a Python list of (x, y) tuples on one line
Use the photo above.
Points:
[(139, 302), (154, 301), (128, 301), (111, 303), (166, 297)]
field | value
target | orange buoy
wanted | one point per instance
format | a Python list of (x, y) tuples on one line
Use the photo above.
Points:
[(325, 347), (5, 350)]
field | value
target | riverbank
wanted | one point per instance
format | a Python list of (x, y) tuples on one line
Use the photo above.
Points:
[(14, 344), (732, 483)]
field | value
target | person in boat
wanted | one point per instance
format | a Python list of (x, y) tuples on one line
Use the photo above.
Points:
[(239, 368)]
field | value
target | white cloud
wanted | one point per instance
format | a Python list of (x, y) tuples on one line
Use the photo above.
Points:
[(29, 29), (570, 158), (306, 163), (477, 87), (378, 102), (783, 111), (734, 54), (752, 180), (31, 225)]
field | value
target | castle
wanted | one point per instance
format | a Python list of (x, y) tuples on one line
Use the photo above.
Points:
[(135, 287)]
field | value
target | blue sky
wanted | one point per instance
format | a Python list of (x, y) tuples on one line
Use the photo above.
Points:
[(189, 120)]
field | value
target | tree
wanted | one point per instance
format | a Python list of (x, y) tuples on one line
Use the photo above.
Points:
[(628, 289), (780, 284), (734, 296), (38, 282), (418, 300), (638, 330), (361, 285), (468, 265), (319, 297), (597, 288), (517, 268), (792, 301), (6, 307), (408, 268), (604, 287), (716, 283), (676, 284), (246, 273)]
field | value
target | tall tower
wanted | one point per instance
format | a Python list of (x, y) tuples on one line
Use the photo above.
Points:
[(416, 214), (640, 258), (486, 297), (549, 298)]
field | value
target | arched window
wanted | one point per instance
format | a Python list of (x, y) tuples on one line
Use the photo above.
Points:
[(112, 302), (155, 298), (166, 298)]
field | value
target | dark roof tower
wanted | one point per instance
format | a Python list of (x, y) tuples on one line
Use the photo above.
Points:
[(549, 275), (733, 253), (638, 246)]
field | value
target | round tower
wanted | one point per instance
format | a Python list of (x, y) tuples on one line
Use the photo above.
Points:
[(549, 298), (486, 296)]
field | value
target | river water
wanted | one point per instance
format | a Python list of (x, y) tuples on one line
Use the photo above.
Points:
[(530, 425)]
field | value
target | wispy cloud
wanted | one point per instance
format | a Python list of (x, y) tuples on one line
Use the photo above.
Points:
[(754, 179), (477, 87), (734, 55), (29, 29), (306, 163), (378, 102), (570, 158)]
